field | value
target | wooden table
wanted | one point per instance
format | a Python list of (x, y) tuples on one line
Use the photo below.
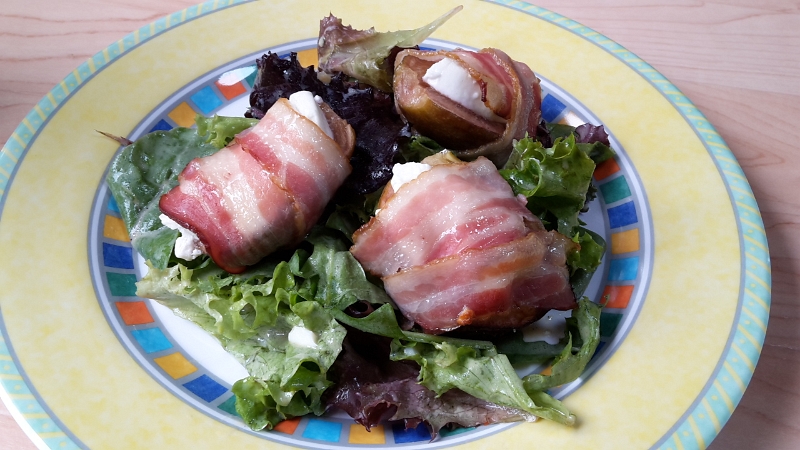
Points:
[(738, 63)]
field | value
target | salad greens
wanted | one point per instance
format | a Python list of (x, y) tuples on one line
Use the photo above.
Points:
[(365, 54), (477, 368), (554, 180), (219, 131), (148, 168), (251, 314), (141, 174), (568, 366), (320, 286)]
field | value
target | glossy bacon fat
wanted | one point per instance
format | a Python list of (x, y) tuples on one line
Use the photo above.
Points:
[(266, 189), (508, 88), (455, 248)]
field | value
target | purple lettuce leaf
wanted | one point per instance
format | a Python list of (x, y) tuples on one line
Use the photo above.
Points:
[(373, 389), (368, 55), (380, 132), (589, 134)]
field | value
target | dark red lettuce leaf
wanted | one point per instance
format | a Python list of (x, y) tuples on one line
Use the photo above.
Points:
[(380, 132), (373, 389), (589, 134)]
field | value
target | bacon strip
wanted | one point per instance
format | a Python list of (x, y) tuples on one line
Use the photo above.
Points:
[(456, 248), (264, 191), (505, 286), (446, 210)]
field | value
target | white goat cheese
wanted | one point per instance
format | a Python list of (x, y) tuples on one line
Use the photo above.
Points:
[(403, 173), (307, 104), (303, 337), (188, 246), (452, 80)]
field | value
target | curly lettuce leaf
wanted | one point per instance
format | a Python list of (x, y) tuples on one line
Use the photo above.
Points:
[(474, 367), (365, 54), (286, 381), (557, 183), (220, 130), (484, 374), (555, 180), (591, 139), (252, 316), (338, 280), (252, 313), (239, 305)]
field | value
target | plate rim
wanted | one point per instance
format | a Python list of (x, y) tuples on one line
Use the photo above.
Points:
[(755, 260)]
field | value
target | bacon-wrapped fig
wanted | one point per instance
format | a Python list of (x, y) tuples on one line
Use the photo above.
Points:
[(455, 248), (473, 103), (267, 188)]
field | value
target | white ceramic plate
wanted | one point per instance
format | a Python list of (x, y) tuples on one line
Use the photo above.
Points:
[(84, 363)]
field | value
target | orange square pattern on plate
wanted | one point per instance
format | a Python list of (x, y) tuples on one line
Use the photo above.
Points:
[(307, 57), (605, 169), (618, 296), (230, 91), (134, 313), (288, 426)]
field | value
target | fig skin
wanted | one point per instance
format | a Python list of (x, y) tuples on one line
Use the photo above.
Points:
[(511, 90), (436, 116)]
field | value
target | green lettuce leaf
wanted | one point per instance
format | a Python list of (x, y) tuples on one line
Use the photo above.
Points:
[(286, 380), (220, 130), (584, 325), (364, 54), (251, 314), (334, 276), (147, 169), (597, 151), (353, 211), (140, 174), (591, 251), (519, 351), (555, 180), (584, 261), (485, 374), (383, 322), (474, 367), (419, 147)]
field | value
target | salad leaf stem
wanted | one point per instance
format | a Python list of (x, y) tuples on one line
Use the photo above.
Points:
[(585, 321)]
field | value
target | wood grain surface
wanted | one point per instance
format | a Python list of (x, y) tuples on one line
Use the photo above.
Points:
[(737, 60)]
